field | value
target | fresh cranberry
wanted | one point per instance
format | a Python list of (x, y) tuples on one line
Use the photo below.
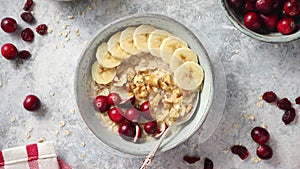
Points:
[(101, 103), (284, 104), (129, 102), (249, 7), (28, 4), (286, 26), (114, 99), (41, 29), (264, 6), (27, 17), (291, 7), (269, 97), (264, 152), (145, 110), (9, 51), (8, 25), (24, 54), (252, 21), (27, 35), (132, 114), (150, 127), (269, 20), (236, 3), (260, 135), (138, 133), (208, 164), (297, 100), (127, 130), (191, 159), (289, 116), (32, 103), (115, 114), (241, 151)]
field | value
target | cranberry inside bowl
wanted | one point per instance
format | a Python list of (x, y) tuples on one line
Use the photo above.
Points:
[(137, 76), (272, 21)]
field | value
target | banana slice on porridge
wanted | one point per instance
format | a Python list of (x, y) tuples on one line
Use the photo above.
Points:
[(140, 37), (113, 46), (182, 55), (102, 75), (189, 75), (169, 45), (126, 41), (104, 58), (155, 39)]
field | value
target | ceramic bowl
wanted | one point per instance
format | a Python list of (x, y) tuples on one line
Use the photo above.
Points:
[(83, 78), (237, 21)]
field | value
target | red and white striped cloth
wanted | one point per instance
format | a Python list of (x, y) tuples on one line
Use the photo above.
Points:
[(31, 156)]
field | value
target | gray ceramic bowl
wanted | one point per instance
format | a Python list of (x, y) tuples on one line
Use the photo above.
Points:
[(237, 21), (83, 78)]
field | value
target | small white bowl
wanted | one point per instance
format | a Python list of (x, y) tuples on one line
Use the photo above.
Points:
[(83, 76)]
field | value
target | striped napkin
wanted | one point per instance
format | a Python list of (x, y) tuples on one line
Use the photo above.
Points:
[(31, 156)]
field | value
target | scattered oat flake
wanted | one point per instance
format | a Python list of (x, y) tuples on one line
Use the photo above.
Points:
[(53, 118), (81, 13), (275, 45), (77, 32), (13, 119), (57, 21), (244, 116), (59, 33), (260, 97), (256, 160), (235, 125), (61, 123), (67, 132), (90, 8), (260, 104), (251, 117), (67, 39), (52, 94), (55, 132), (225, 151), (70, 17), (264, 126), (30, 129), (83, 155), (27, 135), (85, 42), (82, 144), (65, 26), (49, 30), (41, 140), (62, 45), (72, 111)]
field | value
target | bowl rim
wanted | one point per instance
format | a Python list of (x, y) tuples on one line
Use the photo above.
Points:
[(270, 39), (211, 89)]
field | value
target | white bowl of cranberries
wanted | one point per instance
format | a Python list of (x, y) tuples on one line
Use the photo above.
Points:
[(271, 21)]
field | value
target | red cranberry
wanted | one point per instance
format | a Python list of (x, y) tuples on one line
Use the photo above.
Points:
[(284, 104), (249, 7), (286, 26), (27, 17), (132, 114), (9, 25), (260, 135), (128, 102), (9, 51), (269, 97), (114, 99), (269, 20), (289, 116), (101, 103), (208, 164), (241, 151), (145, 108), (24, 54), (291, 7), (191, 159), (236, 3), (42, 29), (28, 4), (264, 152), (264, 6), (27, 35), (32, 103), (297, 100), (138, 133), (127, 130), (252, 21), (150, 127), (115, 114)]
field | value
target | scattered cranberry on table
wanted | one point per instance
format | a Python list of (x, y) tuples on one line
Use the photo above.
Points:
[(27, 35), (191, 159), (264, 152), (241, 151), (208, 164), (28, 5), (297, 100), (27, 17), (289, 116), (284, 104), (269, 97), (9, 25), (41, 29), (9, 51), (24, 54), (32, 103), (260, 135)]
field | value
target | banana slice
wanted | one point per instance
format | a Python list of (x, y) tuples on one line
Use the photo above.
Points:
[(126, 41), (182, 55), (113, 46), (169, 45), (102, 75), (154, 41), (104, 58), (189, 75), (140, 37)]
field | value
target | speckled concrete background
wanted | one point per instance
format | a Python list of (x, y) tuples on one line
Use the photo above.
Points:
[(251, 68)]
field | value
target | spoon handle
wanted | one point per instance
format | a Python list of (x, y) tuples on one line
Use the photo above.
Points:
[(151, 155)]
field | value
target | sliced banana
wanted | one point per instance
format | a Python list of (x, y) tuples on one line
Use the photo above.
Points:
[(126, 41), (113, 46), (154, 41), (182, 55), (102, 75), (169, 45), (189, 75), (104, 58), (140, 37)]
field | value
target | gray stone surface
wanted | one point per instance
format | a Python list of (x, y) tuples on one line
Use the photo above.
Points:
[(251, 68)]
